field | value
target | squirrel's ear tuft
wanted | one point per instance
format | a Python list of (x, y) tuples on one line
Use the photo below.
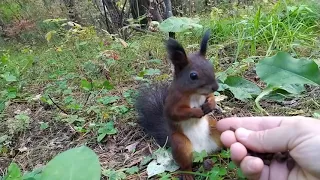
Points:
[(176, 54), (204, 43)]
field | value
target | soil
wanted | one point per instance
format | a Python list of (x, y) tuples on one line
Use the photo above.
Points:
[(34, 148)]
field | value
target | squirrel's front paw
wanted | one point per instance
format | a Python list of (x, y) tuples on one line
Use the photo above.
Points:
[(206, 108), (217, 109)]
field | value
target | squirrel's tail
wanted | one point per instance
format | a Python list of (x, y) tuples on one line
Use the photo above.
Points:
[(149, 106)]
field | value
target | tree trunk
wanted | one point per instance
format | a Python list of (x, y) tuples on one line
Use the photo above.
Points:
[(72, 11), (138, 9), (154, 11), (168, 14)]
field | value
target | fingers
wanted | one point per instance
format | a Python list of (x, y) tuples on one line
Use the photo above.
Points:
[(238, 152), (228, 138), (252, 167), (271, 140), (278, 170), (254, 123)]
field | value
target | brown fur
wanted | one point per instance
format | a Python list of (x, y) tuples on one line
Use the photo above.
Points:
[(177, 104)]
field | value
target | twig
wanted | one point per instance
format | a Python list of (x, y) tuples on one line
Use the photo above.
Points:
[(57, 105), (122, 12), (137, 29), (89, 93), (106, 15)]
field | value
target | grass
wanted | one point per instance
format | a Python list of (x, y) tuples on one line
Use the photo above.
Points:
[(93, 79)]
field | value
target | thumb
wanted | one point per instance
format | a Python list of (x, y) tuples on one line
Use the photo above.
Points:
[(266, 141)]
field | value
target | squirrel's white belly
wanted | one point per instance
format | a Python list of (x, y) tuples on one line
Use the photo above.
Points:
[(198, 132)]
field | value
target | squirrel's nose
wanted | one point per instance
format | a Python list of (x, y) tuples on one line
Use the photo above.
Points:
[(215, 87)]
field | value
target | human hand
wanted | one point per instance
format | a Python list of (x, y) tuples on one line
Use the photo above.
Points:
[(298, 135)]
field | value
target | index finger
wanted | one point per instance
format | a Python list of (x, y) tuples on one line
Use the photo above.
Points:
[(254, 123)]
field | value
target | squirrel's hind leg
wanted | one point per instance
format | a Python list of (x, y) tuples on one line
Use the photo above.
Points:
[(182, 153)]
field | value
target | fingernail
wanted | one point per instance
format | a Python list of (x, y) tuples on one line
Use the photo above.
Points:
[(242, 134)]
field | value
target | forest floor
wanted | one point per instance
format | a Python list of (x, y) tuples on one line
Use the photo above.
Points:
[(82, 91)]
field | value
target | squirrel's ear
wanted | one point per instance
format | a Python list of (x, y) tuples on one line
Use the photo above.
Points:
[(204, 43), (176, 54)]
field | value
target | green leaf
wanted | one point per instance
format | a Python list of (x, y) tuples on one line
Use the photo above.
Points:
[(44, 125), (222, 171), (163, 162), (79, 163), (231, 165), (316, 114), (156, 61), (132, 170), (225, 154), (107, 129), (34, 174), (114, 175), (48, 36), (86, 85), (9, 77), (11, 92), (214, 173), (108, 99), (179, 24), (73, 118), (198, 157), (282, 69), (14, 172), (151, 72), (242, 89), (145, 160), (107, 85)]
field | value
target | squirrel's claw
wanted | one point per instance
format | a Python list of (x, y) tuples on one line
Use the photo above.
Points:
[(217, 109)]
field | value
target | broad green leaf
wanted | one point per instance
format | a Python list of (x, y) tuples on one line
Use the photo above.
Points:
[(11, 92), (86, 85), (79, 163), (242, 89), (179, 24), (34, 174), (9, 77), (163, 162), (14, 172), (282, 69)]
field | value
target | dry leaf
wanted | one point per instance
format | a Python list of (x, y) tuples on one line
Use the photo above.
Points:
[(23, 149), (297, 112), (220, 98), (132, 147), (124, 44)]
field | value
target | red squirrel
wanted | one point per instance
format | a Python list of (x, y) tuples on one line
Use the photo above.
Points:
[(175, 113)]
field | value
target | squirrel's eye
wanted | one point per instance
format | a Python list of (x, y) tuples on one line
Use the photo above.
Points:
[(193, 75)]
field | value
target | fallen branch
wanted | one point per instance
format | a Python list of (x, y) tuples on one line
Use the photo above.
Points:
[(57, 105)]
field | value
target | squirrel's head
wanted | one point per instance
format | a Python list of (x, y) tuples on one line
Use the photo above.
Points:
[(193, 72)]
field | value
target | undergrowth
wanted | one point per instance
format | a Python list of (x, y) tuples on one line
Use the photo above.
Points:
[(89, 80)]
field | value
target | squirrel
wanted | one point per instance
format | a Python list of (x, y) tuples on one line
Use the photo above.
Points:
[(175, 114)]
